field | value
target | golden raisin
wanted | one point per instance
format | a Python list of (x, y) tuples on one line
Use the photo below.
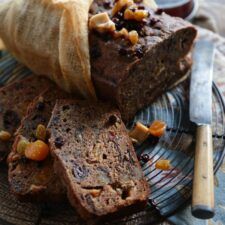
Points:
[(163, 164), (37, 151), (102, 23), (137, 14), (22, 145), (5, 135), (120, 4), (140, 132), (41, 132), (95, 192), (133, 37), (122, 33), (128, 14), (157, 128)]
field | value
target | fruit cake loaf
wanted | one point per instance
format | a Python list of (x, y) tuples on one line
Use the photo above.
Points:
[(14, 100), (35, 180), (95, 159), (141, 57)]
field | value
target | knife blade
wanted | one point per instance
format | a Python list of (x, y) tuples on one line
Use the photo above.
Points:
[(200, 112), (201, 83)]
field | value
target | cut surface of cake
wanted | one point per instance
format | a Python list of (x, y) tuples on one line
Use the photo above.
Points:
[(33, 180), (14, 100), (94, 157)]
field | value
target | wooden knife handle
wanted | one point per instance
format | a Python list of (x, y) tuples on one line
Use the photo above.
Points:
[(203, 185)]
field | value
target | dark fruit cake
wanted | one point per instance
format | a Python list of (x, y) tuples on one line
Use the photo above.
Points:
[(14, 100), (94, 157), (138, 55), (35, 180)]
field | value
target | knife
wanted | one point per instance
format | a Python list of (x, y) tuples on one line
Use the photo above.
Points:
[(200, 113)]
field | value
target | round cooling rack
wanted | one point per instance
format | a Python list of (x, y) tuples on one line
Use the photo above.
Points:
[(170, 189)]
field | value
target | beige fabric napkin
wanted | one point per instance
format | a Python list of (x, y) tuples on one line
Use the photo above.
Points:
[(211, 15)]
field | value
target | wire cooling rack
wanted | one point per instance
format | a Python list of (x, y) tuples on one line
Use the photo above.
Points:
[(171, 189)]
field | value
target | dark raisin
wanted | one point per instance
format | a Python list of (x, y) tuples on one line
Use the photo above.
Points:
[(79, 171), (153, 140), (40, 165), (59, 142), (125, 193), (120, 24), (141, 7), (80, 129), (153, 21), (144, 158), (159, 11), (95, 52), (123, 51), (23, 160), (11, 119), (138, 1), (68, 130), (107, 4), (139, 53), (66, 107), (112, 120), (40, 106), (2, 155), (120, 14), (115, 20)]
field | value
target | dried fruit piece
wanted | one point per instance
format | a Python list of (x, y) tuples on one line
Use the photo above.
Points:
[(144, 158), (5, 135), (95, 192), (22, 145), (133, 37), (157, 128), (120, 4), (140, 132), (163, 164), (37, 151), (137, 14), (41, 132), (102, 23), (122, 33)]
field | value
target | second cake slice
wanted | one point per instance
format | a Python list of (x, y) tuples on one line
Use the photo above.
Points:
[(95, 159)]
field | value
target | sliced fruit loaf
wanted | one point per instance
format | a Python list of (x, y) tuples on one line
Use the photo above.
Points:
[(94, 157), (14, 100), (129, 74), (30, 180)]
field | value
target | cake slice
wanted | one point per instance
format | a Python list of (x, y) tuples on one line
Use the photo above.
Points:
[(95, 159), (132, 75), (30, 180), (14, 100)]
